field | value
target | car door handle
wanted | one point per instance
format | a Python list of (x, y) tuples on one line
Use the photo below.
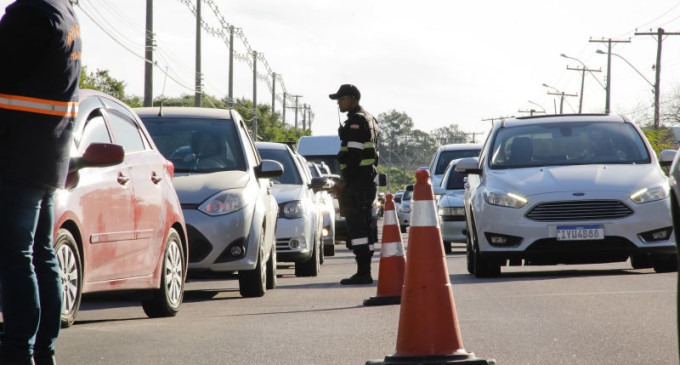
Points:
[(155, 178), (122, 179)]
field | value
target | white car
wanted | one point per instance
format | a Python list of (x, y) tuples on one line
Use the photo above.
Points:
[(450, 206), (445, 154), (564, 190), (300, 223), (404, 208), (327, 204)]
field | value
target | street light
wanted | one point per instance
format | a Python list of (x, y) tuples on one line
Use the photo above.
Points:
[(583, 77), (655, 88), (562, 94), (537, 104)]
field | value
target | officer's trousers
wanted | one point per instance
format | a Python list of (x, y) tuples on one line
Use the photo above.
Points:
[(356, 203)]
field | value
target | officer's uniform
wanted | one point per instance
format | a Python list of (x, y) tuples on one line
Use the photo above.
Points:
[(358, 159), (39, 76)]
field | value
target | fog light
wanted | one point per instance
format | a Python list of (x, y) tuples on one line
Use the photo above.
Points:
[(325, 232), (294, 243), (236, 251), (662, 234), (502, 240)]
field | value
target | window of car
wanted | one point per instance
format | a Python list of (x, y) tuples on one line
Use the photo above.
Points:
[(126, 132), (456, 180), (447, 156), (184, 140), (94, 131), (569, 143), (251, 152), (407, 195), (290, 175)]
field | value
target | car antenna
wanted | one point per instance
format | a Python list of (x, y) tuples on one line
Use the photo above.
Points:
[(160, 109)]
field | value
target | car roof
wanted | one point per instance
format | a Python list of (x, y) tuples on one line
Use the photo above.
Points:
[(561, 118), (190, 112), (271, 145), (459, 146)]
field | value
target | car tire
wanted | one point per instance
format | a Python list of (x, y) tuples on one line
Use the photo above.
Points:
[(447, 246), (403, 229), (641, 261), (329, 250), (310, 267), (469, 253), (253, 283), (166, 300), (71, 274), (665, 263), (271, 270)]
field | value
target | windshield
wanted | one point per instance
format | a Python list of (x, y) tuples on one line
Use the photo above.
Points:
[(568, 144), (291, 174), (197, 145), (447, 156), (407, 195), (331, 161), (456, 179)]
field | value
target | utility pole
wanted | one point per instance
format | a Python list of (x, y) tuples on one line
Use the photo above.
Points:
[(304, 116), (255, 96), (231, 67), (608, 88), (657, 80), (493, 119), (148, 55), (561, 94), (198, 91), (296, 109), (285, 95), (583, 79), (530, 111), (273, 92)]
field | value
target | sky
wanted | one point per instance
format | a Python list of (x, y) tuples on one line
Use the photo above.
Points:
[(440, 62)]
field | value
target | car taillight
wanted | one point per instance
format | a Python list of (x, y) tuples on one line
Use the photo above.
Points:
[(170, 168)]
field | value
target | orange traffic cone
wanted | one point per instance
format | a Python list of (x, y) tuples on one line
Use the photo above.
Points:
[(392, 262), (428, 324)]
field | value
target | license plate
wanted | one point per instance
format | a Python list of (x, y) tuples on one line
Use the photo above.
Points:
[(579, 233)]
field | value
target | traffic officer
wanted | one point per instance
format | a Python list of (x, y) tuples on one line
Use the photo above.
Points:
[(357, 188), (39, 76)]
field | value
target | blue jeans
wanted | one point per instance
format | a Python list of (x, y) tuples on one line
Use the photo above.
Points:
[(30, 285)]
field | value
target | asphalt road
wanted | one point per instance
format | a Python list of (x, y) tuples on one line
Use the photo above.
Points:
[(590, 314)]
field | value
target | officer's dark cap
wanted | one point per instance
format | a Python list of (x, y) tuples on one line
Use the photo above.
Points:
[(346, 90)]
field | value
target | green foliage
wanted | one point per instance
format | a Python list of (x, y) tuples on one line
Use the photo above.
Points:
[(397, 179), (102, 81), (660, 139), (269, 127)]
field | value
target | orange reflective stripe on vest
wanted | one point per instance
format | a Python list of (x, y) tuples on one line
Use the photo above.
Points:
[(41, 106)]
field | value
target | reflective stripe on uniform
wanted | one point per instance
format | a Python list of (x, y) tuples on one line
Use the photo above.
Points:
[(357, 145), (367, 162), (369, 145), (423, 214), (359, 241), (390, 249), (41, 106), (343, 148), (342, 166)]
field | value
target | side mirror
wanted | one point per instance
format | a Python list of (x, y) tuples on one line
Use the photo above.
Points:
[(98, 155), (382, 180), (667, 157), (468, 166), (320, 183), (268, 169)]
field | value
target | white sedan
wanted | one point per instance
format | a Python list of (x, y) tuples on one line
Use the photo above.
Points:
[(564, 190), (450, 206)]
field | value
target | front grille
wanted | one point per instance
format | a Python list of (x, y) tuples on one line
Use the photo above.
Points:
[(579, 210)]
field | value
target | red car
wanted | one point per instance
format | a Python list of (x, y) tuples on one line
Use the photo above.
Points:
[(118, 222)]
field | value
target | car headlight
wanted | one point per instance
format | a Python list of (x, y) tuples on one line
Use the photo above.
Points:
[(224, 202), (652, 194), (451, 211), (292, 209), (509, 200)]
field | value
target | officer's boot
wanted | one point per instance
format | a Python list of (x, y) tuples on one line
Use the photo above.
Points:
[(363, 275)]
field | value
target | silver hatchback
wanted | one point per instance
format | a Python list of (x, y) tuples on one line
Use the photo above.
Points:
[(225, 192)]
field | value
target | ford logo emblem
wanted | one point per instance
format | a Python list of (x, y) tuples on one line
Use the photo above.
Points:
[(578, 194)]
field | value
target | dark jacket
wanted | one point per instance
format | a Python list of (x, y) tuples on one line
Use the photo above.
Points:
[(39, 75), (358, 155)]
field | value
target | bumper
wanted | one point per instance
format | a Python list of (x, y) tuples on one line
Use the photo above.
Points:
[(536, 241), (212, 238), (293, 241), (452, 230)]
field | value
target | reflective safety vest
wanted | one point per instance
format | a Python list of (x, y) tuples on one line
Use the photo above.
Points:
[(358, 149), (41, 106)]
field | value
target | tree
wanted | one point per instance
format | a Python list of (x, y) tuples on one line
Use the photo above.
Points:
[(269, 128), (450, 134), (102, 81)]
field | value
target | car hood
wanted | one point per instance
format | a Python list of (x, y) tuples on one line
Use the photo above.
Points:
[(610, 178), (452, 198), (195, 188), (287, 192)]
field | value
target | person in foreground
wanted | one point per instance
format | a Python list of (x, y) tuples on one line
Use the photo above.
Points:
[(39, 76), (357, 188)]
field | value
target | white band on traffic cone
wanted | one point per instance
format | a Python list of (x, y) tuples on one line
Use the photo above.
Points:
[(390, 218), (423, 214), (390, 249)]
